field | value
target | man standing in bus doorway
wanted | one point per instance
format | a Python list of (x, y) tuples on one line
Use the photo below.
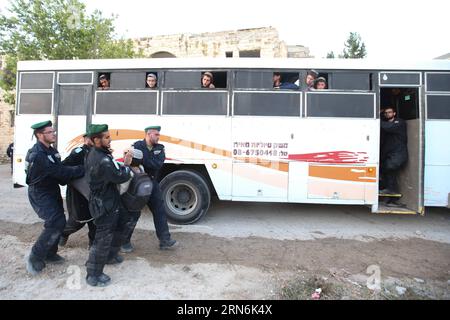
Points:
[(104, 204), (153, 159), (44, 173), (394, 150), (77, 204)]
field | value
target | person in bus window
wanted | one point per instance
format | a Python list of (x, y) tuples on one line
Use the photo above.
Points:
[(394, 152), (151, 81), (104, 82), (320, 83), (207, 80), (311, 75), (282, 85)]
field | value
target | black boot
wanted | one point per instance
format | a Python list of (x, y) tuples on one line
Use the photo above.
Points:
[(115, 259), (167, 244), (55, 259), (63, 240), (98, 281), (34, 264)]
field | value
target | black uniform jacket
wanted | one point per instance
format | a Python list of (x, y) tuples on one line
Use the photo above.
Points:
[(45, 171), (394, 138), (77, 204), (44, 174), (104, 174), (153, 159)]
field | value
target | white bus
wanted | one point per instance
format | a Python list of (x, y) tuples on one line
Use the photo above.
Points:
[(244, 140)]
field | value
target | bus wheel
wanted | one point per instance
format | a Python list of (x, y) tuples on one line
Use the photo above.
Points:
[(186, 196)]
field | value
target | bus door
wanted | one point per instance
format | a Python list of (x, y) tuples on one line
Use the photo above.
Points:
[(35, 99), (74, 101), (402, 90), (437, 131)]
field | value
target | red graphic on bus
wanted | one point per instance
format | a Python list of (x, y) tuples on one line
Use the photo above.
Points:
[(331, 157)]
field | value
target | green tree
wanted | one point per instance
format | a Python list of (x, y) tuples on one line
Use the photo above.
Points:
[(354, 47), (330, 55), (56, 29)]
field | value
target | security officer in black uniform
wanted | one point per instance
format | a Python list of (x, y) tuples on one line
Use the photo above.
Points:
[(77, 204), (45, 172), (104, 175), (394, 150), (154, 157)]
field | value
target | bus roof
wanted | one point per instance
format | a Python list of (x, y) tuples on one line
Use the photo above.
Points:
[(232, 63)]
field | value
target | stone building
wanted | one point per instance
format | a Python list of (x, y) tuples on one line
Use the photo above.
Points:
[(6, 122), (257, 42)]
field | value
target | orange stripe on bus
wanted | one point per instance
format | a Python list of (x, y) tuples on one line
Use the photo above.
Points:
[(328, 172), (359, 174)]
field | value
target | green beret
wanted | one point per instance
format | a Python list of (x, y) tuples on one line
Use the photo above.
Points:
[(94, 129), (41, 125), (158, 128)]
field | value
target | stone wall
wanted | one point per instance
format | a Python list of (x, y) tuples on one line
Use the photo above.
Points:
[(257, 42)]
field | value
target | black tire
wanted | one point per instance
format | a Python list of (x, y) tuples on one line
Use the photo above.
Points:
[(186, 196)]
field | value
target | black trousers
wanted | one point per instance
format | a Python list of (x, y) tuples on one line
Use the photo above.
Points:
[(73, 226), (49, 207), (108, 239), (156, 206), (391, 164), (132, 220)]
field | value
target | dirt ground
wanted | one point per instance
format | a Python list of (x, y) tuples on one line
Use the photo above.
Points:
[(245, 265)]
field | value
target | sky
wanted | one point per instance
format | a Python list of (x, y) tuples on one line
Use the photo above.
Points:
[(391, 29)]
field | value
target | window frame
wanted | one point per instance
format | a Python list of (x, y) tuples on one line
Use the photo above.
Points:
[(126, 91), (426, 81), (426, 105), (322, 92), (333, 73), (34, 72), (277, 91), (399, 85), (75, 83), (20, 91), (161, 112)]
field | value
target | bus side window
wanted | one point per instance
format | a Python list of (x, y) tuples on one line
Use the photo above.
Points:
[(124, 80), (438, 106), (340, 105), (254, 80), (350, 80)]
